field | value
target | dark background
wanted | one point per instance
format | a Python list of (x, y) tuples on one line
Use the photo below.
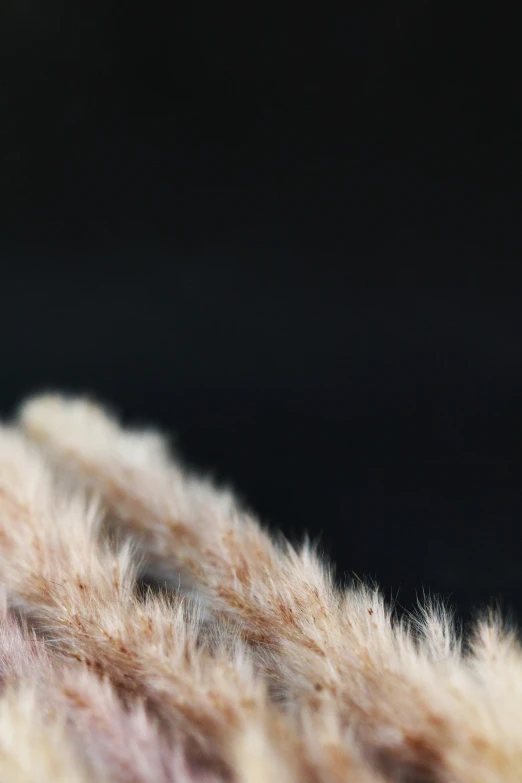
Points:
[(292, 238)]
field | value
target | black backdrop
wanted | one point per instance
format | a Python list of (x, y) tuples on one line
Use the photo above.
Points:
[(291, 238)]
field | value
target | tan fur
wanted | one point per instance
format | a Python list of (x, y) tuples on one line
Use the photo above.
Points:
[(34, 747), (421, 709), (116, 743), (67, 581)]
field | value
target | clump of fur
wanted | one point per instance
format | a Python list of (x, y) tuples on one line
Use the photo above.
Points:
[(114, 742), (34, 747), (274, 675), (68, 582)]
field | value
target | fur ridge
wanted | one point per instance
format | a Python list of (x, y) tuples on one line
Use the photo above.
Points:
[(266, 670), (63, 577)]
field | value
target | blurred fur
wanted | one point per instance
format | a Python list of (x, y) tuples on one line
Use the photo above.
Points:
[(287, 679), (120, 744), (33, 745), (68, 582)]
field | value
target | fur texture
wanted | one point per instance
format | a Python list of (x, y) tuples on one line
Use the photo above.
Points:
[(268, 672), (33, 744), (67, 581), (116, 743)]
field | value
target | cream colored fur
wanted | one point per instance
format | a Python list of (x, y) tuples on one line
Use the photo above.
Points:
[(267, 672)]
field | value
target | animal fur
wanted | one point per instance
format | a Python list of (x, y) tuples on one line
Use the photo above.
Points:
[(258, 669)]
